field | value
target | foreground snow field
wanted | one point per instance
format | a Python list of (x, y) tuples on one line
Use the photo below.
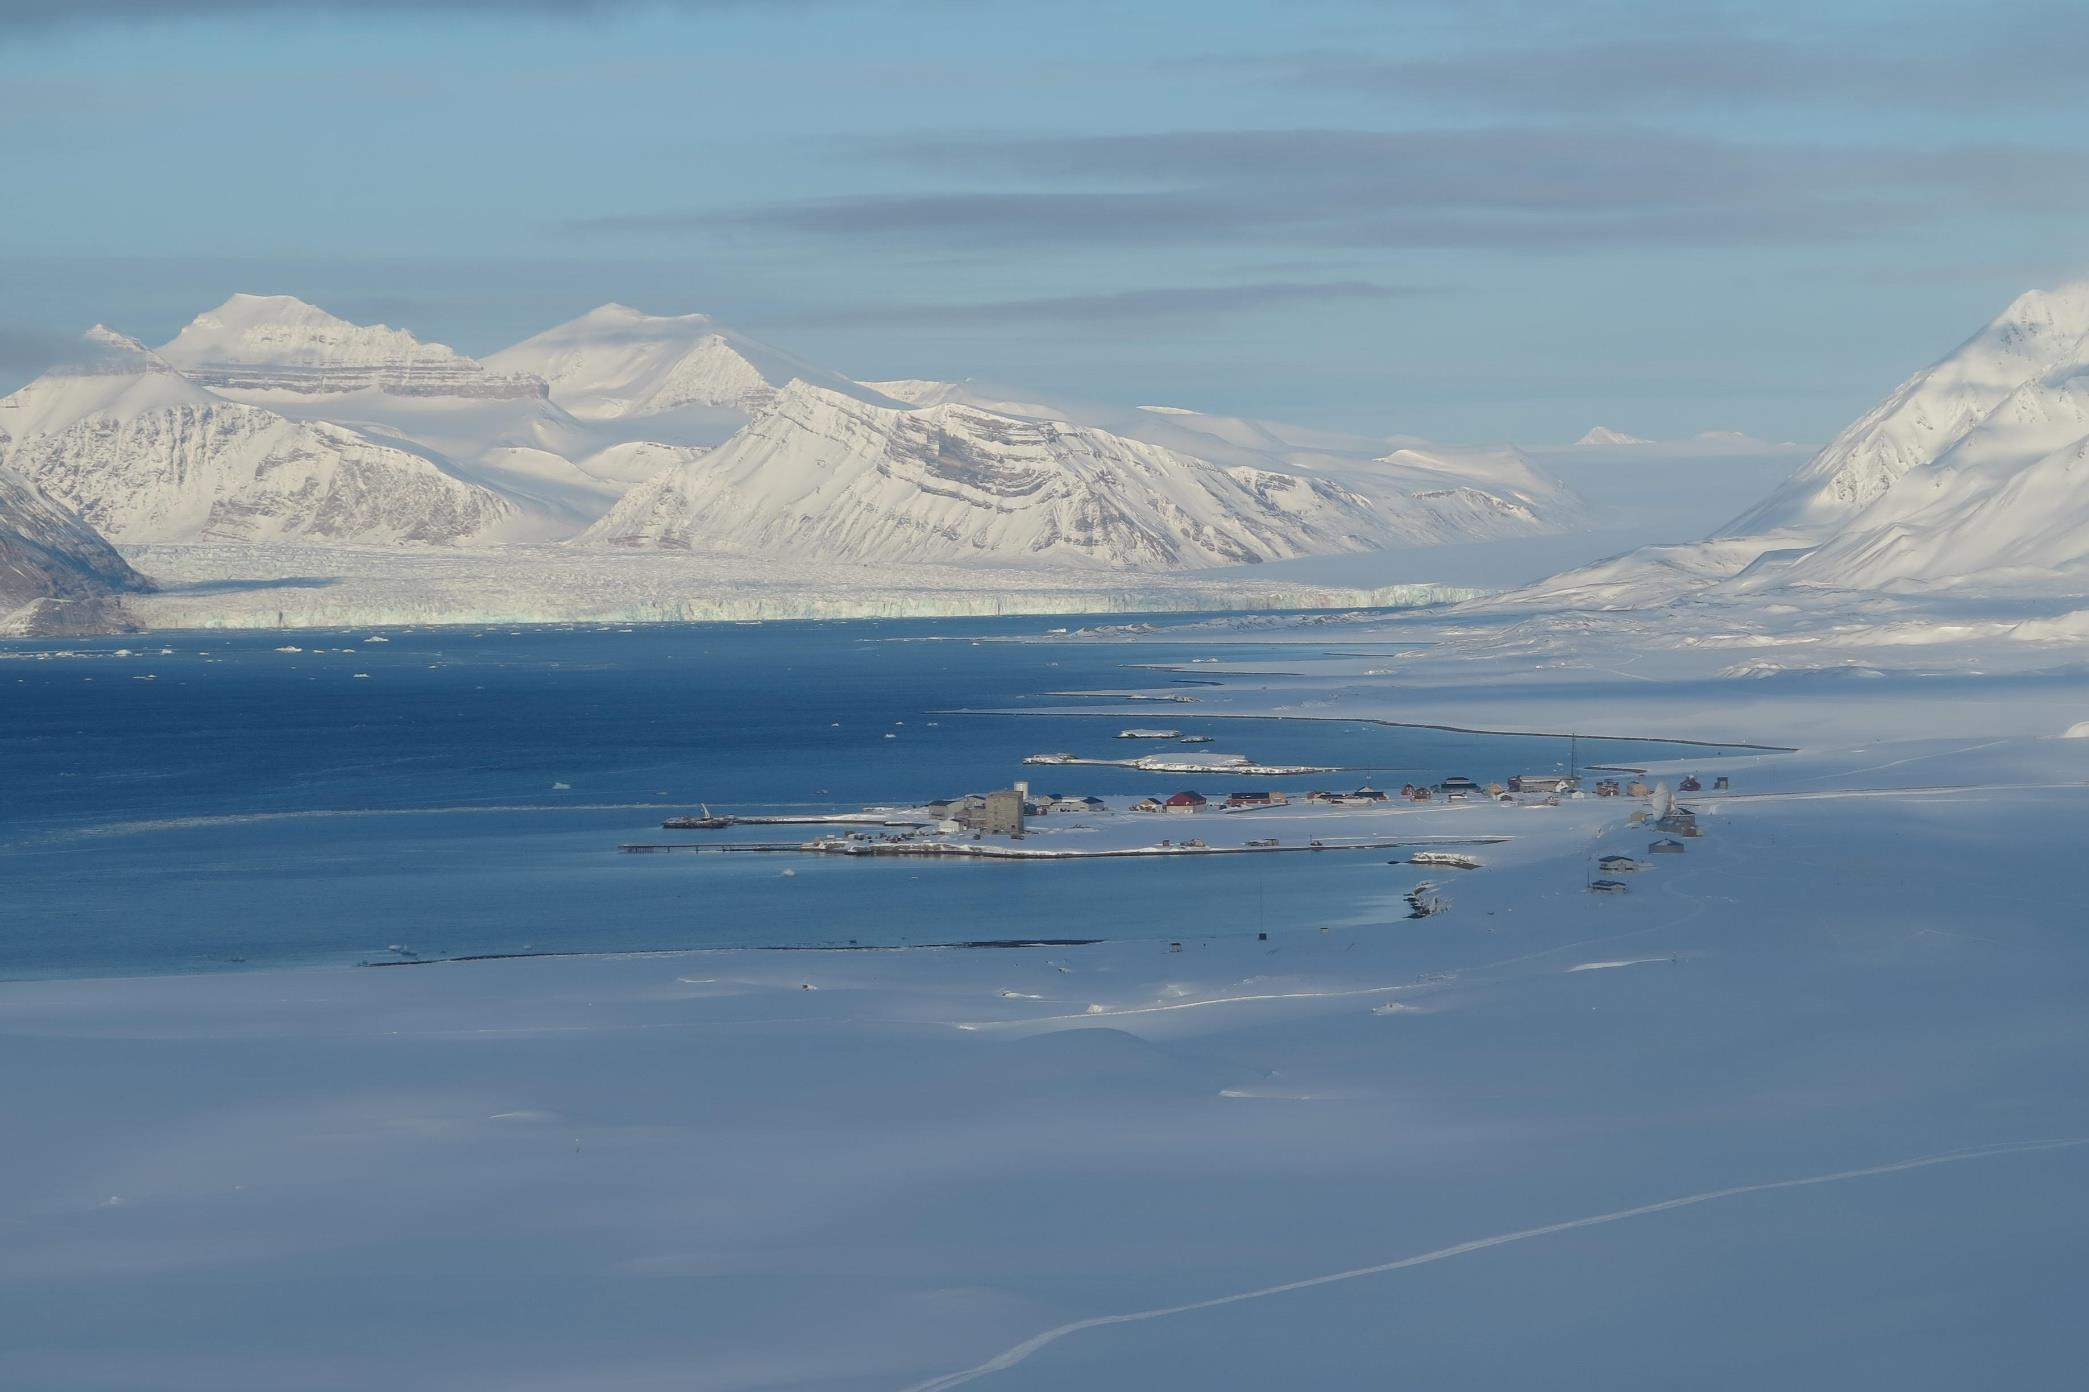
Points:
[(1803, 1108)]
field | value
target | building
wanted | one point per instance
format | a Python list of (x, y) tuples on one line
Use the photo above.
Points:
[(1690, 785), (1004, 811), (1607, 886), (1618, 865), (1680, 821), (1257, 798), (1665, 848), (1459, 789), (1721, 784), (1608, 787), (1078, 804), (1539, 784), (1638, 788), (1185, 802), (1146, 805)]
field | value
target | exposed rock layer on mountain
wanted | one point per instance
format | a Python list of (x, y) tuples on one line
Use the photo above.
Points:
[(821, 475), (277, 343)]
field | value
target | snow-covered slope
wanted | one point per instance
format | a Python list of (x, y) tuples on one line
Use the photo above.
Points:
[(826, 476), (616, 363), (143, 453), (2008, 504), (278, 343), (1931, 412), (55, 570)]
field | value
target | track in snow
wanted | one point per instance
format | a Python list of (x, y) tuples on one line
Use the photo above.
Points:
[(1008, 1358)]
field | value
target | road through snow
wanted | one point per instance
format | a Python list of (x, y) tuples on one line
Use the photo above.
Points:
[(1019, 1352)]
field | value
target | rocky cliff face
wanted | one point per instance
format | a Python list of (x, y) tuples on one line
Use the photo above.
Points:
[(56, 573)]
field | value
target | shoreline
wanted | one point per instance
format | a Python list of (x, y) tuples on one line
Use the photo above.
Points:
[(1748, 745)]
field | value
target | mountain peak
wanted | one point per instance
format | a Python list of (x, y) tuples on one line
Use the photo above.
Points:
[(273, 344), (2064, 308), (616, 363), (1604, 435), (284, 331), (2040, 333)]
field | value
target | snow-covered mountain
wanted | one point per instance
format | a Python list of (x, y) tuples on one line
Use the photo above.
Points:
[(278, 343), (616, 363), (826, 476), (2042, 332), (56, 572), (1602, 436), (499, 430), (143, 453), (1973, 474)]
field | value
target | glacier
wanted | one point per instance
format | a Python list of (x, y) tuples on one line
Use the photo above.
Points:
[(306, 586)]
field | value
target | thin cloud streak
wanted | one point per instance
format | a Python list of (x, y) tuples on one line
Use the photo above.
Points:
[(1510, 188), (1159, 305), (19, 18)]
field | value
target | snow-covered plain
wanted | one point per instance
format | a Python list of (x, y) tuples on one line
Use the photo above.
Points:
[(1802, 1108)]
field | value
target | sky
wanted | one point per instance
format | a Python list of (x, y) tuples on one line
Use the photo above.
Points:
[(1489, 220)]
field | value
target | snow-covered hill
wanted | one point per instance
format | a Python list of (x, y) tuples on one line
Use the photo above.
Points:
[(822, 475), (616, 363), (143, 453), (56, 572)]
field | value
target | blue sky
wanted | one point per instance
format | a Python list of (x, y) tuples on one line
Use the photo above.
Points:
[(1488, 220)]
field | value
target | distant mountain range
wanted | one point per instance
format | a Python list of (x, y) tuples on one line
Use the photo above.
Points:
[(270, 420)]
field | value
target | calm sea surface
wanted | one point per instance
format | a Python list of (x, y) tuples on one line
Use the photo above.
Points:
[(460, 792)]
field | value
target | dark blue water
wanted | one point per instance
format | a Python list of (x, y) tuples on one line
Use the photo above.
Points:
[(249, 807)]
